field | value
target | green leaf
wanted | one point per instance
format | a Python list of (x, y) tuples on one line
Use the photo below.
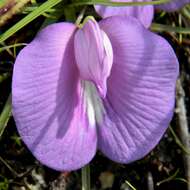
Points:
[(5, 115)]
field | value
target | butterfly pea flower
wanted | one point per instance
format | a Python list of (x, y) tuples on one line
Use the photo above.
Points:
[(143, 13), (173, 5), (107, 86)]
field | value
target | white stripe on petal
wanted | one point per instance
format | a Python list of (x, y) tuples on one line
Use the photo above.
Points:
[(95, 108)]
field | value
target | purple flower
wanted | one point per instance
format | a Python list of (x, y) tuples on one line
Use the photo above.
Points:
[(143, 13), (173, 5), (108, 86)]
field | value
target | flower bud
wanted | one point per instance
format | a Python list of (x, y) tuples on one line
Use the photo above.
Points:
[(94, 55)]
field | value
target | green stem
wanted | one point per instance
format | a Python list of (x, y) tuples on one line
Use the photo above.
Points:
[(5, 115), (130, 185), (80, 17), (168, 179), (12, 46), (86, 177), (11, 8), (167, 28), (178, 141), (8, 166), (117, 4)]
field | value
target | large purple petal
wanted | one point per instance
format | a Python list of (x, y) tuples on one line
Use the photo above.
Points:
[(141, 89), (48, 103), (143, 13), (173, 6)]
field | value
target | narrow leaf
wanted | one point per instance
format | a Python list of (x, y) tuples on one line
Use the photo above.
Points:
[(167, 28), (30, 17), (5, 115), (109, 3)]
